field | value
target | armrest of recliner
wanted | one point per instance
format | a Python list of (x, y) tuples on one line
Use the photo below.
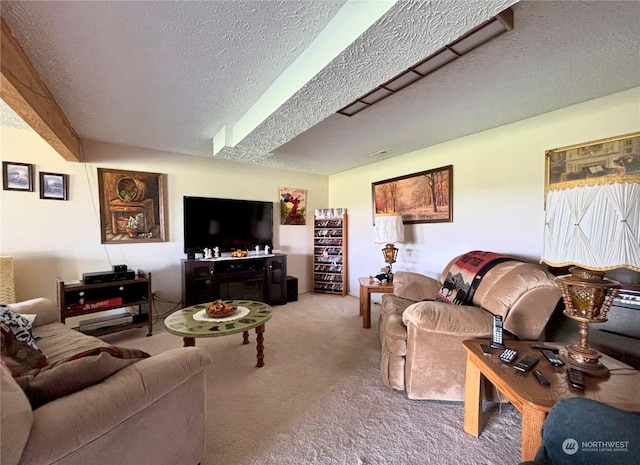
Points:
[(446, 318), (44, 308), (415, 286)]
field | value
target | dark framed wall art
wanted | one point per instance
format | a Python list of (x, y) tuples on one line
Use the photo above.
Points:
[(424, 197), (17, 176), (54, 186), (131, 206)]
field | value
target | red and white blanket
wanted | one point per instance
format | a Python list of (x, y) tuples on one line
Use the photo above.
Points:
[(465, 275)]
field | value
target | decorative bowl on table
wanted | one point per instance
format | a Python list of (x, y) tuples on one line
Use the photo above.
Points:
[(239, 253), (220, 309)]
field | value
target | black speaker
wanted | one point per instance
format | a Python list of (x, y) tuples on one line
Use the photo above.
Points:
[(191, 254), (292, 289)]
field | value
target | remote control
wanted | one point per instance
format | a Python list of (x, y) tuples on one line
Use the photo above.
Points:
[(508, 355), (552, 357), (526, 363), (555, 350), (485, 349), (575, 378), (541, 379)]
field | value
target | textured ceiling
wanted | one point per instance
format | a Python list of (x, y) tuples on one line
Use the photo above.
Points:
[(172, 76)]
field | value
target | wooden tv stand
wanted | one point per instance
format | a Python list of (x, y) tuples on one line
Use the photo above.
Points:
[(256, 277)]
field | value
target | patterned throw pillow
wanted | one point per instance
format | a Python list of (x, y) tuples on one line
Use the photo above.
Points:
[(19, 356), (18, 324)]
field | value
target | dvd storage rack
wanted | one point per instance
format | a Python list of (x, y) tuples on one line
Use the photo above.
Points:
[(330, 251)]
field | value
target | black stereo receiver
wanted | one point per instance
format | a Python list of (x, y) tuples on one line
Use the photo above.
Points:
[(107, 276)]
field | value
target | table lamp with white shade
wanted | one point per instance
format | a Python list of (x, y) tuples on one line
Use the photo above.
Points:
[(593, 228), (389, 230)]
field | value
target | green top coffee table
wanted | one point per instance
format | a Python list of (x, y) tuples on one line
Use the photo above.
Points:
[(191, 323)]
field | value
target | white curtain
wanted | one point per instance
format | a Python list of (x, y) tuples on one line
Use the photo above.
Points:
[(595, 227)]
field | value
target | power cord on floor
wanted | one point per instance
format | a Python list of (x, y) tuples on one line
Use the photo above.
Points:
[(158, 302)]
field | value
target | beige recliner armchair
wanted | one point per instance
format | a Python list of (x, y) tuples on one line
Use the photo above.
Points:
[(422, 337)]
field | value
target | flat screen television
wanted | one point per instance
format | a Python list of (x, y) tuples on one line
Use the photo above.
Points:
[(227, 223)]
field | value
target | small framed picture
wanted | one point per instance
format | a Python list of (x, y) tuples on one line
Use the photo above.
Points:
[(17, 176), (54, 186)]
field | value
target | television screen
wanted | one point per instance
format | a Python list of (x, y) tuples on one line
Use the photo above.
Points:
[(227, 223)]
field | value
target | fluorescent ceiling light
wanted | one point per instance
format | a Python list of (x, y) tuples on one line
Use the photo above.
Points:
[(492, 28), (435, 61)]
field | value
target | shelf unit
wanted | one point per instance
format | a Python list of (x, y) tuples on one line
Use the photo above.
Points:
[(261, 278), (77, 299), (330, 252)]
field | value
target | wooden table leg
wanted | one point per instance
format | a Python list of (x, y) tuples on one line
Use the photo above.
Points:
[(245, 337), (189, 341), (366, 316), (363, 290), (473, 422), (260, 338), (531, 438)]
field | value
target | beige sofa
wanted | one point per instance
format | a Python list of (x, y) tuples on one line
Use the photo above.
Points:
[(422, 338), (150, 412)]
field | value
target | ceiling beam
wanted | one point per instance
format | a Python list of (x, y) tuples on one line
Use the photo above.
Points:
[(23, 90)]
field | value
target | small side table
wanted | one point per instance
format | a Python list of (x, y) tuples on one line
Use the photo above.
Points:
[(532, 399), (370, 286)]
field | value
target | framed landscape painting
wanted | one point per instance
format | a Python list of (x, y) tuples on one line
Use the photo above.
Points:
[(54, 186), (424, 197), (17, 176)]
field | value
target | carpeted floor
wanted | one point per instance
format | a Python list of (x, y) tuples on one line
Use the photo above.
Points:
[(319, 399)]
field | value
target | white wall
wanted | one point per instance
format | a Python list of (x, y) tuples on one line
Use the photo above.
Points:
[(50, 238), (498, 187), (498, 184)]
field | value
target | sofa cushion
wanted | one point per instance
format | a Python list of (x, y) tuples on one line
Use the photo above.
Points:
[(46, 310), (76, 373), (19, 356), (20, 325), (16, 419), (59, 342), (415, 286), (443, 318), (515, 282)]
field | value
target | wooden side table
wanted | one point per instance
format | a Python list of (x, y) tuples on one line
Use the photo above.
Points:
[(370, 286), (532, 399)]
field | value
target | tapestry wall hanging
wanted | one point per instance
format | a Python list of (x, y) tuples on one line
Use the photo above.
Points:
[(424, 197), (131, 206), (293, 206)]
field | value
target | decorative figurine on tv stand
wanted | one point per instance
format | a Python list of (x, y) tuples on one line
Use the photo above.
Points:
[(216, 252), (207, 253), (266, 249)]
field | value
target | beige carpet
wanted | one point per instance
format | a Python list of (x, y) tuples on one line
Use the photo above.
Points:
[(319, 399)]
